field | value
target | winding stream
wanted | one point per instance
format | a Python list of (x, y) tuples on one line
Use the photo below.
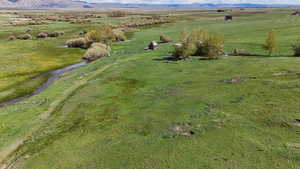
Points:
[(54, 75)]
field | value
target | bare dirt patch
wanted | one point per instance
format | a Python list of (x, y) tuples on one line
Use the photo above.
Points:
[(239, 79), (294, 146), (182, 129), (297, 122)]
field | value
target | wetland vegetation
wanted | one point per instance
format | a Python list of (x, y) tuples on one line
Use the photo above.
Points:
[(138, 109)]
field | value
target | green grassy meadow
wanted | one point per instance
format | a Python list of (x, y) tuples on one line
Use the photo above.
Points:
[(120, 112)]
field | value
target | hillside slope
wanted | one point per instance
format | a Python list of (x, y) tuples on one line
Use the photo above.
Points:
[(36, 4), (48, 4)]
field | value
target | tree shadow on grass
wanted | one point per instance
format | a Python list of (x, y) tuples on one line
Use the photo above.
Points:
[(260, 55), (168, 59)]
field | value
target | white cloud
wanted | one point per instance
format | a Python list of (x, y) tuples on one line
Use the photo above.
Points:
[(202, 1)]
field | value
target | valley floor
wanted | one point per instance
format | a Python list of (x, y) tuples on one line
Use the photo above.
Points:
[(135, 110)]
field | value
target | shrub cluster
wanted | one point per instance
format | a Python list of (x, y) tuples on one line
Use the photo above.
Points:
[(138, 22), (80, 21), (119, 35), (42, 35), (117, 14), (27, 23), (271, 44), (77, 43), (96, 51), (199, 43), (105, 34), (25, 37), (71, 17)]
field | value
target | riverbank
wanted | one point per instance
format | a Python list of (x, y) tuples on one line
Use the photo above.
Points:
[(52, 76)]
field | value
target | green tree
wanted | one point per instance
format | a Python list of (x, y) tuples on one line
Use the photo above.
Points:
[(271, 43)]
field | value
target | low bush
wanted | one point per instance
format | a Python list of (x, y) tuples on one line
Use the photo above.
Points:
[(77, 43), (211, 47), (12, 38), (54, 34), (42, 35), (28, 30), (105, 34), (199, 43), (139, 22), (165, 39), (101, 45), (25, 37), (119, 35), (183, 35), (117, 14), (80, 21), (96, 51)]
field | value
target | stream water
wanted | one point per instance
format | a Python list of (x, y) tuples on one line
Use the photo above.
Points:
[(54, 75)]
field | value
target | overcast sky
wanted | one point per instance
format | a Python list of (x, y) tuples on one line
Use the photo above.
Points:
[(203, 1)]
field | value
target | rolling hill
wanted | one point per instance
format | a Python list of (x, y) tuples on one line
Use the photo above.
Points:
[(41, 4), (46, 4)]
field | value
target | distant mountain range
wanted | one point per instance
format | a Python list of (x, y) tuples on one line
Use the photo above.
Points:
[(74, 4)]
